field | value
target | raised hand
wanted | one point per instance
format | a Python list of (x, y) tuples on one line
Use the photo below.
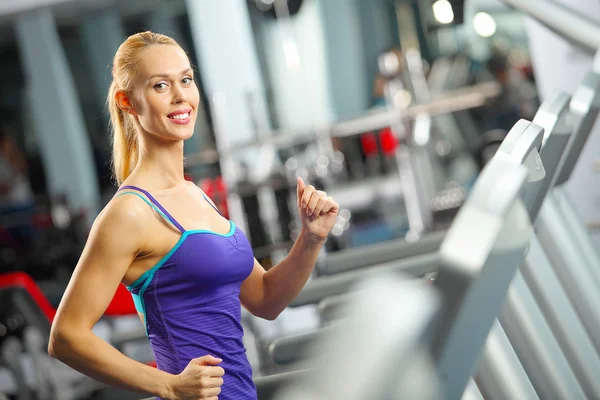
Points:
[(318, 211)]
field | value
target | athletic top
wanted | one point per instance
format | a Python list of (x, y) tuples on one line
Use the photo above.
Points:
[(190, 301)]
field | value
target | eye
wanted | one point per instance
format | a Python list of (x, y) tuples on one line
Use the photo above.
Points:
[(160, 86), (187, 80)]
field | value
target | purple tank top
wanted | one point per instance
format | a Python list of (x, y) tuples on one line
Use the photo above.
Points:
[(191, 302)]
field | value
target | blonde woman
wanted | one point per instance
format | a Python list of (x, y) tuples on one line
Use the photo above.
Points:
[(188, 268)]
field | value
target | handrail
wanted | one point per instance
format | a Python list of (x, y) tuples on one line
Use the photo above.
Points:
[(563, 20)]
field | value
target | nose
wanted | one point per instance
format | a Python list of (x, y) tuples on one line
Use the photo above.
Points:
[(179, 95)]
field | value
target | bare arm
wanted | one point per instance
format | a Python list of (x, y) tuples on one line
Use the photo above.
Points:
[(115, 239), (267, 294)]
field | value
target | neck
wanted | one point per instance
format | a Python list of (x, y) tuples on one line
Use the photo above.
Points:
[(161, 163)]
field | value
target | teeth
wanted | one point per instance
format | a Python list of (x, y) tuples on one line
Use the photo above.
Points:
[(181, 116)]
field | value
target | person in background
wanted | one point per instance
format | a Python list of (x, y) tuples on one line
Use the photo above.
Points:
[(189, 269), (505, 108), (378, 94), (17, 200)]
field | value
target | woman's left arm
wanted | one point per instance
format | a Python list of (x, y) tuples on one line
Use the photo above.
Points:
[(267, 293)]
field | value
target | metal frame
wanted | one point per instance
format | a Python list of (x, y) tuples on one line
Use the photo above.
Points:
[(569, 332), (393, 250), (584, 108), (562, 236), (325, 286), (533, 340), (499, 373), (394, 355), (530, 335), (573, 273), (521, 147), (472, 392), (574, 260), (561, 19), (483, 248)]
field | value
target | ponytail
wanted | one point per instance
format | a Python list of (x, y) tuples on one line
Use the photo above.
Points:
[(124, 139)]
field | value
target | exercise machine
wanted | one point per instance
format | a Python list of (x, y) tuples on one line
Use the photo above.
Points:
[(354, 361)]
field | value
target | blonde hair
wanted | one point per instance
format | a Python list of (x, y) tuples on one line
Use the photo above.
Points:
[(124, 70)]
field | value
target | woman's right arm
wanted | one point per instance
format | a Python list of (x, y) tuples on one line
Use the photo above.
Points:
[(115, 239)]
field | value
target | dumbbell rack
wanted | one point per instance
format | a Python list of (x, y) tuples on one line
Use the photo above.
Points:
[(461, 99), (26, 369)]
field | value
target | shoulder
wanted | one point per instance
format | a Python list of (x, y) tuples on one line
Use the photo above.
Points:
[(124, 215)]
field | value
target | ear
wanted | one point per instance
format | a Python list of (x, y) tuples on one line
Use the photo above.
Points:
[(124, 103)]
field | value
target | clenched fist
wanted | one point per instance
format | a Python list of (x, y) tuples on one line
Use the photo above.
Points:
[(318, 211), (200, 380)]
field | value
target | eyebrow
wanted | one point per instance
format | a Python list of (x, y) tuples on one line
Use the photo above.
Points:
[(185, 71)]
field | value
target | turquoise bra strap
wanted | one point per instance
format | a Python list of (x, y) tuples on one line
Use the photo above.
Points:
[(148, 202)]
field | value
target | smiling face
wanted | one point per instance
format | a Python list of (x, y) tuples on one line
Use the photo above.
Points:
[(165, 97)]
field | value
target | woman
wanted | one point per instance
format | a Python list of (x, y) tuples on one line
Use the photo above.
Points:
[(187, 267)]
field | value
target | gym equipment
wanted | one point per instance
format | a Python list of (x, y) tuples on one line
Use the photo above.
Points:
[(32, 369), (290, 349), (414, 164), (562, 20), (354, 361), (545, 331), (560, 234), (20, 295), (478, 259), (534, 341), (523, 142), (538, 351), (10, 355), (384, 252), (268, 386), (26, 315), (561, 282), (574, 264), (489, 143), (584, 107), (504, 377), (327, 286), (562, 320)]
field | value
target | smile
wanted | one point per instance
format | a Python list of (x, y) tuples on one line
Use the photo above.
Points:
[(181, 117)]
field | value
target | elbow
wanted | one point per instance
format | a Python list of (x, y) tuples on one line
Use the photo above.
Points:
[(51, 351), (59, 343), (266, 313), (54, 344), (270, 315)]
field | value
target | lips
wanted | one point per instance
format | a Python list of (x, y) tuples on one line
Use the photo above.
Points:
[(180, 114), (181, 117)]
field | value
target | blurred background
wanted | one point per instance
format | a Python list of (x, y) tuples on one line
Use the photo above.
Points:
[(297, 88), (391, 106)]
